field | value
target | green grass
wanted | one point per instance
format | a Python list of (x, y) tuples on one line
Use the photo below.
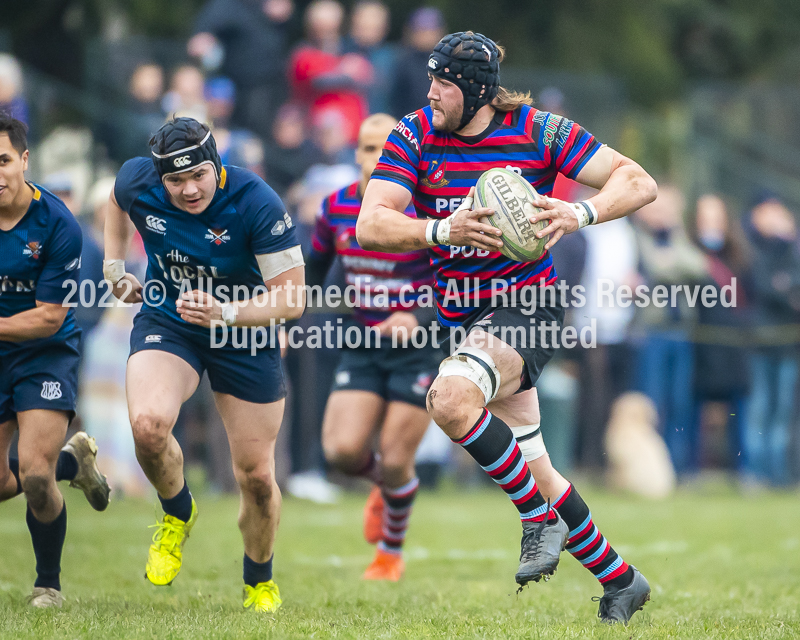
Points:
[(720, 567)]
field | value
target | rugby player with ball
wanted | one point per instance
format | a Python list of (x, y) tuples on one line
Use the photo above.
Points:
[(484, 397)]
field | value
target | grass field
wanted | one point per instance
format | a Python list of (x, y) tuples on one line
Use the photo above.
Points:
[(720, 567)]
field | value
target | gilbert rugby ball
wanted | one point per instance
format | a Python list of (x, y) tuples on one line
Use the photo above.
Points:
[(507, 194)]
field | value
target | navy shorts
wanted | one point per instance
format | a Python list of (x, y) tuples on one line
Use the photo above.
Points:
[(44, 376), (253, 378), (395, 374)]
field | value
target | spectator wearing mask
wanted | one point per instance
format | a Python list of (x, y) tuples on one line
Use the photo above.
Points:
[(409, 90), (721, 361), (776, 311), (246, 41), (323, 78), (666, 360)]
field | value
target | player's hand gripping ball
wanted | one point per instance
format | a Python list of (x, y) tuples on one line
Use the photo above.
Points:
[(512, 198)]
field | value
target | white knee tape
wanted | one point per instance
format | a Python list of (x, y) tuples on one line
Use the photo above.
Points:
[(476, 366), (530, 441)]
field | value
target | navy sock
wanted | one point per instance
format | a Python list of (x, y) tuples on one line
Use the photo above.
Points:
[(48, 541), (180, 506), (256, 572), (13, 464), (66, 467)]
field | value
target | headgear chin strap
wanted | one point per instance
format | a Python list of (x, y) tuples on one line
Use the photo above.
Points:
[(474, 68), (178, 153)]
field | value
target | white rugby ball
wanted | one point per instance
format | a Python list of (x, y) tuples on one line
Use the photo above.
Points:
[(508, 195)]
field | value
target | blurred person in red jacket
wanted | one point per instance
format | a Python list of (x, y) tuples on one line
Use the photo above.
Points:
[(324, 79)]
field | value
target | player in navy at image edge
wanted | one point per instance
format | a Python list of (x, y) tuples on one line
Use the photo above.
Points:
[(207, 230), (40, 248)]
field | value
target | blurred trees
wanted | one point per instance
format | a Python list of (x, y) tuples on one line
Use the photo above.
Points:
[(658, 47)]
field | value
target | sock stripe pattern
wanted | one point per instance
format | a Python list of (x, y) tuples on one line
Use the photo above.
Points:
[(492, 445), (585, 541), (396, 513)]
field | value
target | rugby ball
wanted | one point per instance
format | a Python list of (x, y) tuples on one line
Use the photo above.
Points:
[(507, 194)]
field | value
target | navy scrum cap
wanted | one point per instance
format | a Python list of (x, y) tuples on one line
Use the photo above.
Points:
[(470, 61), (183, 144)]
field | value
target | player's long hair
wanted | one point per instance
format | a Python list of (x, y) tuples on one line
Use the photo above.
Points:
[(506, 99)]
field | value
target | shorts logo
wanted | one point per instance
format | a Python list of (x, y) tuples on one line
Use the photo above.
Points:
[(342, 378), (279, 228), (51, 390), (154, 337), (33, 249), (182, 161), (422, 384), (485, 322), (435, 178), (218, 236), (159, 225)]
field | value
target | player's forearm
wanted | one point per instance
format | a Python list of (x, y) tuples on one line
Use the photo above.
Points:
[(282, 303), (629, 188), (117, 233), (384, 229), (40, 322)]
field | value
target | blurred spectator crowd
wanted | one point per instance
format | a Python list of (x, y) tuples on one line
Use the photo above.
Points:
[(722, 381)]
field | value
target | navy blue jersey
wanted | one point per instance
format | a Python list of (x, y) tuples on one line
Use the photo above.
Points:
[(40, 260), (219, 246)]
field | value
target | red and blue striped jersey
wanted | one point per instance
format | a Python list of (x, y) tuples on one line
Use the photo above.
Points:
[(383, 282), (439, 169)]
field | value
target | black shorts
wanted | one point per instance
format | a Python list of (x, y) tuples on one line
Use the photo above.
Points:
[(44, 376), (402, 374), (235, 371), (523, 333)]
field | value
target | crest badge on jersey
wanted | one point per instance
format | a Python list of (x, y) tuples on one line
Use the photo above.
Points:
[(435, 179), (218, 236), (33, 249)]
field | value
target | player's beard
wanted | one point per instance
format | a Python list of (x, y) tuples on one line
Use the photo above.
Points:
[(452, 119)]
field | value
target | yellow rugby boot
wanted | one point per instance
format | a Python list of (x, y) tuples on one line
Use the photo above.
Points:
[(265, 596), (166, 553)]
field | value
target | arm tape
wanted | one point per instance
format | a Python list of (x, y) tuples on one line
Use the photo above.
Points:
[(113, 270), (274, 264)]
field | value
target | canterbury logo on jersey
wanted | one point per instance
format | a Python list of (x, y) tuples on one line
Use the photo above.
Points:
[(217, 236), (182, 161), (159, 225)]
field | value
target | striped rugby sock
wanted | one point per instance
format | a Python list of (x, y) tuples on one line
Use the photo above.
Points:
[(588, 545), (493, 446), (396, 512)]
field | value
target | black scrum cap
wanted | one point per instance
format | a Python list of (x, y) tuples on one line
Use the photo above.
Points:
[(470, 61)]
